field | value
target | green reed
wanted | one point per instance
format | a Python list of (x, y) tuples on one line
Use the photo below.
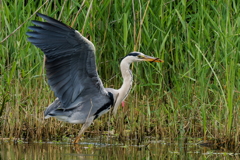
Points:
[(194, 93)]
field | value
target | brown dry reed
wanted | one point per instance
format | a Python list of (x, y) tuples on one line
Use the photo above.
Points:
[(195, 93)]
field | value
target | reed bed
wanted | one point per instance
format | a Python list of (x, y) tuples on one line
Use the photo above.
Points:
[(195, 93)]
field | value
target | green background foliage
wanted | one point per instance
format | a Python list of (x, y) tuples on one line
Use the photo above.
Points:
[(195, 92)]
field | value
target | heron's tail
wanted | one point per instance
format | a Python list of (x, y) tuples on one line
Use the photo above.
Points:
[(52, 107)]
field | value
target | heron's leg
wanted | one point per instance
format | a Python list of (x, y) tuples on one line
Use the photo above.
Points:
[(83, 129)]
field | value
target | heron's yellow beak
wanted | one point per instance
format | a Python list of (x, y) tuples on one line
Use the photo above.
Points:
[(152, 59)]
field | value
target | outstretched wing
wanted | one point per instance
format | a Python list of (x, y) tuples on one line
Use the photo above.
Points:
[(70, 63)]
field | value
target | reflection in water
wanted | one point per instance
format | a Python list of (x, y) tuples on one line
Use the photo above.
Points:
[(91, 149)]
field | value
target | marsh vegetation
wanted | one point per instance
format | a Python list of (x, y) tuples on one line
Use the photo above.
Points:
[(195, 93)]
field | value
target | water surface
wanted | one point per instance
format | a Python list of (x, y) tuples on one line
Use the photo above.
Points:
[(110, 149)]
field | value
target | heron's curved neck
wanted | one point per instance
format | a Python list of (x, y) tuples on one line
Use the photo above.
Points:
[(126, 86), (127, 79)]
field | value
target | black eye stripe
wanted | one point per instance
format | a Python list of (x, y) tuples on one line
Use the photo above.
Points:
[(133, 54)]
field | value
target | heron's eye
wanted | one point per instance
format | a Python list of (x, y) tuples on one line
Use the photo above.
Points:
[(140, 56)]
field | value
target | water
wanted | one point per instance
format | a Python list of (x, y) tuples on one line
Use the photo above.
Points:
[(94, 149)]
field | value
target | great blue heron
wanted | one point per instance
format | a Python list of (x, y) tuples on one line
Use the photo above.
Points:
[(71, 71)]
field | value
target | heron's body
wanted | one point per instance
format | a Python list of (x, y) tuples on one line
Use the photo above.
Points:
[(71, 71)]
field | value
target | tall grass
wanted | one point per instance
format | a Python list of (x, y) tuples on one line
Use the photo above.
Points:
[(194, 93)]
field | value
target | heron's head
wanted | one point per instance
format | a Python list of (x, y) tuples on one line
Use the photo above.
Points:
[(138, 57)]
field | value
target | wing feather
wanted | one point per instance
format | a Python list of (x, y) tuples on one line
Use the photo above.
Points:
[(70, 65)]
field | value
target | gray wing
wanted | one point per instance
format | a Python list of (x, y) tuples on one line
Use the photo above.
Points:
[(70, 65)]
